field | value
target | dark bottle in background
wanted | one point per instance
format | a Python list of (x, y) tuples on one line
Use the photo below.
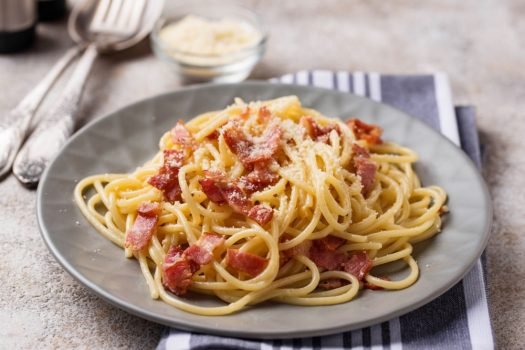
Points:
[(17, 24), (50, 10)]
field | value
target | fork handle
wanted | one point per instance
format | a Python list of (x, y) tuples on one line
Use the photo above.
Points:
[(15, 124), (56, 126)]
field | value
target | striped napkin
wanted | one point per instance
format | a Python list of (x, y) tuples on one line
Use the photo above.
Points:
[(459, 319)]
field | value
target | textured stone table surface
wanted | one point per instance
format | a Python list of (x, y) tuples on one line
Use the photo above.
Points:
[(480, 44)]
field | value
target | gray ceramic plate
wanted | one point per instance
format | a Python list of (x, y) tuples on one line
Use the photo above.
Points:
[(124, 140)]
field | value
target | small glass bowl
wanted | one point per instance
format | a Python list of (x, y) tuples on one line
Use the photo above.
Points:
[(224, 68)]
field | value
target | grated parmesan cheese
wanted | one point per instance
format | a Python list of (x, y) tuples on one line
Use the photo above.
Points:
[(201, 36)]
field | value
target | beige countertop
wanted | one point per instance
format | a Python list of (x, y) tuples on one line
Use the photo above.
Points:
[(480, 44)]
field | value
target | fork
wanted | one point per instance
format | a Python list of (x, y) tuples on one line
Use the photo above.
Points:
[(120, 18)]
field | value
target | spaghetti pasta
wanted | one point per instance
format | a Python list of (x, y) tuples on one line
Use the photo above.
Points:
[(267, 200)]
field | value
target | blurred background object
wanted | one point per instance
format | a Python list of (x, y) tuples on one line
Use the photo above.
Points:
[(206, 41), (50, 10), (103, 27), (17, 24)]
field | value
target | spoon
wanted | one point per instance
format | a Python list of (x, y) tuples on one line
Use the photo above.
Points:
[(57, 125)]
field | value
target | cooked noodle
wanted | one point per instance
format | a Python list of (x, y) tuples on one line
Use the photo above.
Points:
[(317, 193)]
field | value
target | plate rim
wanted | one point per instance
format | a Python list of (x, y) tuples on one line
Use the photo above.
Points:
[(259, 334)]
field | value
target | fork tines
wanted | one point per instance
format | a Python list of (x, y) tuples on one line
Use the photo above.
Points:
[(117, 17)]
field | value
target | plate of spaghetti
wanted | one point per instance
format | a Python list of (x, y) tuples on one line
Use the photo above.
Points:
[(262, 210)]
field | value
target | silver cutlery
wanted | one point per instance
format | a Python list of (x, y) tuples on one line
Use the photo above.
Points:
[(104, 26), (15, 124)]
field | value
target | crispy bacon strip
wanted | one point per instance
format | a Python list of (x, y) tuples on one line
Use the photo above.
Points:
[(144, 226), (248, 263), (181, 136), (260, 214), (178, 271), (358, 265), (365, 168), (331, 243), (167, 179), (316, 131), (202, 251), (252, 151), (180, 264), (302, 248), (263, 115), (327, 259), (221, 190), (213, 136), (259, 178), (323, 252), (363, 131)]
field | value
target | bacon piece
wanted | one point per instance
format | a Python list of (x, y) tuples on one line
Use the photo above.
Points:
[(202, 251), (248, 263), (248, 151), (198, 254), (259, 178), (261, 214), (302, 248), (149, 209), (235, 197), (331, 283), (237, 140), (178, 271), (316, 131), (363, 131), (213, 136), (331, 243), (221, 190), (263, 115), (211, 186), (144, 226), (327, 259), (360, 151), (359, 264), (245, 113), (173, 158), (180, 264), (210, 241), (181, 136), (365, 168), (167, 179)]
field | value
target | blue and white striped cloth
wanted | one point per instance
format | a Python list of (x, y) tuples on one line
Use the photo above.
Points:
[(459, 319)]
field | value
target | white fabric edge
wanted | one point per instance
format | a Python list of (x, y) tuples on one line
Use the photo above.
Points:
[(178, 341), (447, 117)]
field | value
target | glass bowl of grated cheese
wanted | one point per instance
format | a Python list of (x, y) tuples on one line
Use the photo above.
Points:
[(213, 42)]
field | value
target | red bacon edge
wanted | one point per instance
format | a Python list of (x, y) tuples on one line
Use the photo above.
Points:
[(248, 151), (219, 189), (362, 131), (365, 168), (180, 264), (181, 136), (144, 226), (167, 179), (316, 131), (248, 263)]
